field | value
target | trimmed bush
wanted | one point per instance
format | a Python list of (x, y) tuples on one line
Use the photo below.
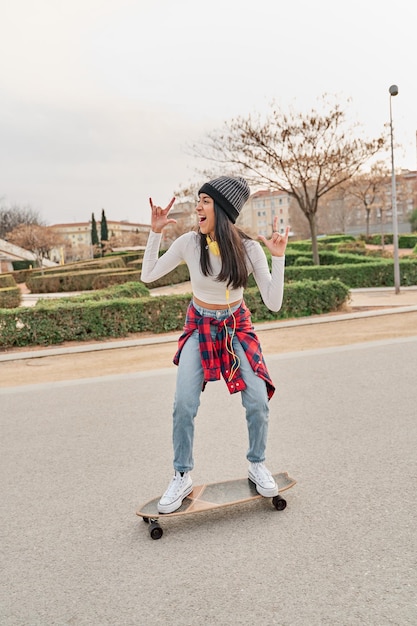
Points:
[(336, 258), (125, 290), (303, 260), (376, 240), (328, 256), (7, 280), (80, 321), (179, 275), (21, 276), (407, 241), (90, 264), (404, 240), (352, 247), (369, 274), (10, 297), (127, 257), (109, 279), (301, 299), (77, 281)]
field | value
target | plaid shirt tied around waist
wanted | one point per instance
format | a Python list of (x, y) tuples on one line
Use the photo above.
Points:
[(216, 359)]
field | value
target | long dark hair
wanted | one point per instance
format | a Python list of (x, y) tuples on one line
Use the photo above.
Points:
[(229, 238)]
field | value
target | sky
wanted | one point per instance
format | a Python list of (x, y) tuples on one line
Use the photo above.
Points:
[(101, 99)]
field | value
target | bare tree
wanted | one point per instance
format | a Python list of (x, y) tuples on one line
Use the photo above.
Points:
[(369, 189), (304, 155), (335, 212), (14, 215), (38, 239)]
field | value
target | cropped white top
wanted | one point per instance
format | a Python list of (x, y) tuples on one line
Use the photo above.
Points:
[(206, 288)]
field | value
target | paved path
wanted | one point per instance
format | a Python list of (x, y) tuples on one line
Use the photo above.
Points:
[(78, 457)]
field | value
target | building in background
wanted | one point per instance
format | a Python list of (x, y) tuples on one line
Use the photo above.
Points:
[(77, 237), (336, 214), (9, 253), (340, 212), (257, 216), (186, 219)]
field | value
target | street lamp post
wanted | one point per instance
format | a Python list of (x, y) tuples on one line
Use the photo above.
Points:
[(393, 91)]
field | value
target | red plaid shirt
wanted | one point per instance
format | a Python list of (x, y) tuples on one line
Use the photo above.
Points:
[(215, 358)]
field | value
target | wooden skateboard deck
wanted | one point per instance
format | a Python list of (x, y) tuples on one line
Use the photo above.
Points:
[(213, 496)]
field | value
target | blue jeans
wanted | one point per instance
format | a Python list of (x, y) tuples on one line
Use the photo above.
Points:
[(187, 399)]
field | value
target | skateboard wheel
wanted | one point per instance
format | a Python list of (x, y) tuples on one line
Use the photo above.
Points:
[(146, 520), (155, 530), (279, 503)]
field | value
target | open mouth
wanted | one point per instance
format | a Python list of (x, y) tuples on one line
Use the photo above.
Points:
[(201, 219)]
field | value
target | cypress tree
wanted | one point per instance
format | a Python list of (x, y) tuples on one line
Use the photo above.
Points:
[(104, 230), (94, 234)]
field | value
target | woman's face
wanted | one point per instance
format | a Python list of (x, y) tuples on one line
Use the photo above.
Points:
[(206, 215)]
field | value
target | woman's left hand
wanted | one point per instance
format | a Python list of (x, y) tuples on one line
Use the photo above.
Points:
[(278, 243)]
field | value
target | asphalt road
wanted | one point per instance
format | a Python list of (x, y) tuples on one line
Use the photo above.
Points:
[(78, 458)]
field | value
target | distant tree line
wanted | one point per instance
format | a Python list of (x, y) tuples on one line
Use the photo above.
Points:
[(14, 215)]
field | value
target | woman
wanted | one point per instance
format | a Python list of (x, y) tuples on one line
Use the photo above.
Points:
[(218, 337)]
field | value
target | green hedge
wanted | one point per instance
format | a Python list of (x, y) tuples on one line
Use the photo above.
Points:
[(10, 294), (25, 275), (90, 265), (10, 297), (327, 257), (7, 280), (113, 278), (21, 275), (408, 240), (127, 257), (369, 274), (179, 275), (79, 321), (125, 290), (83, 280), (335, 238), (301, 299), (137, 265)]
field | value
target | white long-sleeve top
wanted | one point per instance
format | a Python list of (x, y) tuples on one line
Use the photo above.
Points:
[(206, 288)]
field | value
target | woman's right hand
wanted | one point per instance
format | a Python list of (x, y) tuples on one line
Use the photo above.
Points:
[(159, 217)]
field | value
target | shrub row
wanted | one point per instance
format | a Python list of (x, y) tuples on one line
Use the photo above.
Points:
[(90, 264), (369, 274), (109, 263), (7, 280), (78, 321), (113, 278), (327, 257), (125, 290), (127, 256), (10, 297), (179, 275), (80, 280), (408, 240)]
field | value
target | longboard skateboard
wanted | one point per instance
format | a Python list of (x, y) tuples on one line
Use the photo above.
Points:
[(213, 496)]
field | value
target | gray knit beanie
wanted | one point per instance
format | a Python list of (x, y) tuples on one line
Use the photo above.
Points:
[(229, 193)]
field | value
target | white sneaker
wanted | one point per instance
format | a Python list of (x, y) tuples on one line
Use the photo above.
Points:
[(178, 489), (263, 479)]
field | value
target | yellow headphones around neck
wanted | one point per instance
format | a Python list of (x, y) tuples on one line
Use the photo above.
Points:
[(212, 245)]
